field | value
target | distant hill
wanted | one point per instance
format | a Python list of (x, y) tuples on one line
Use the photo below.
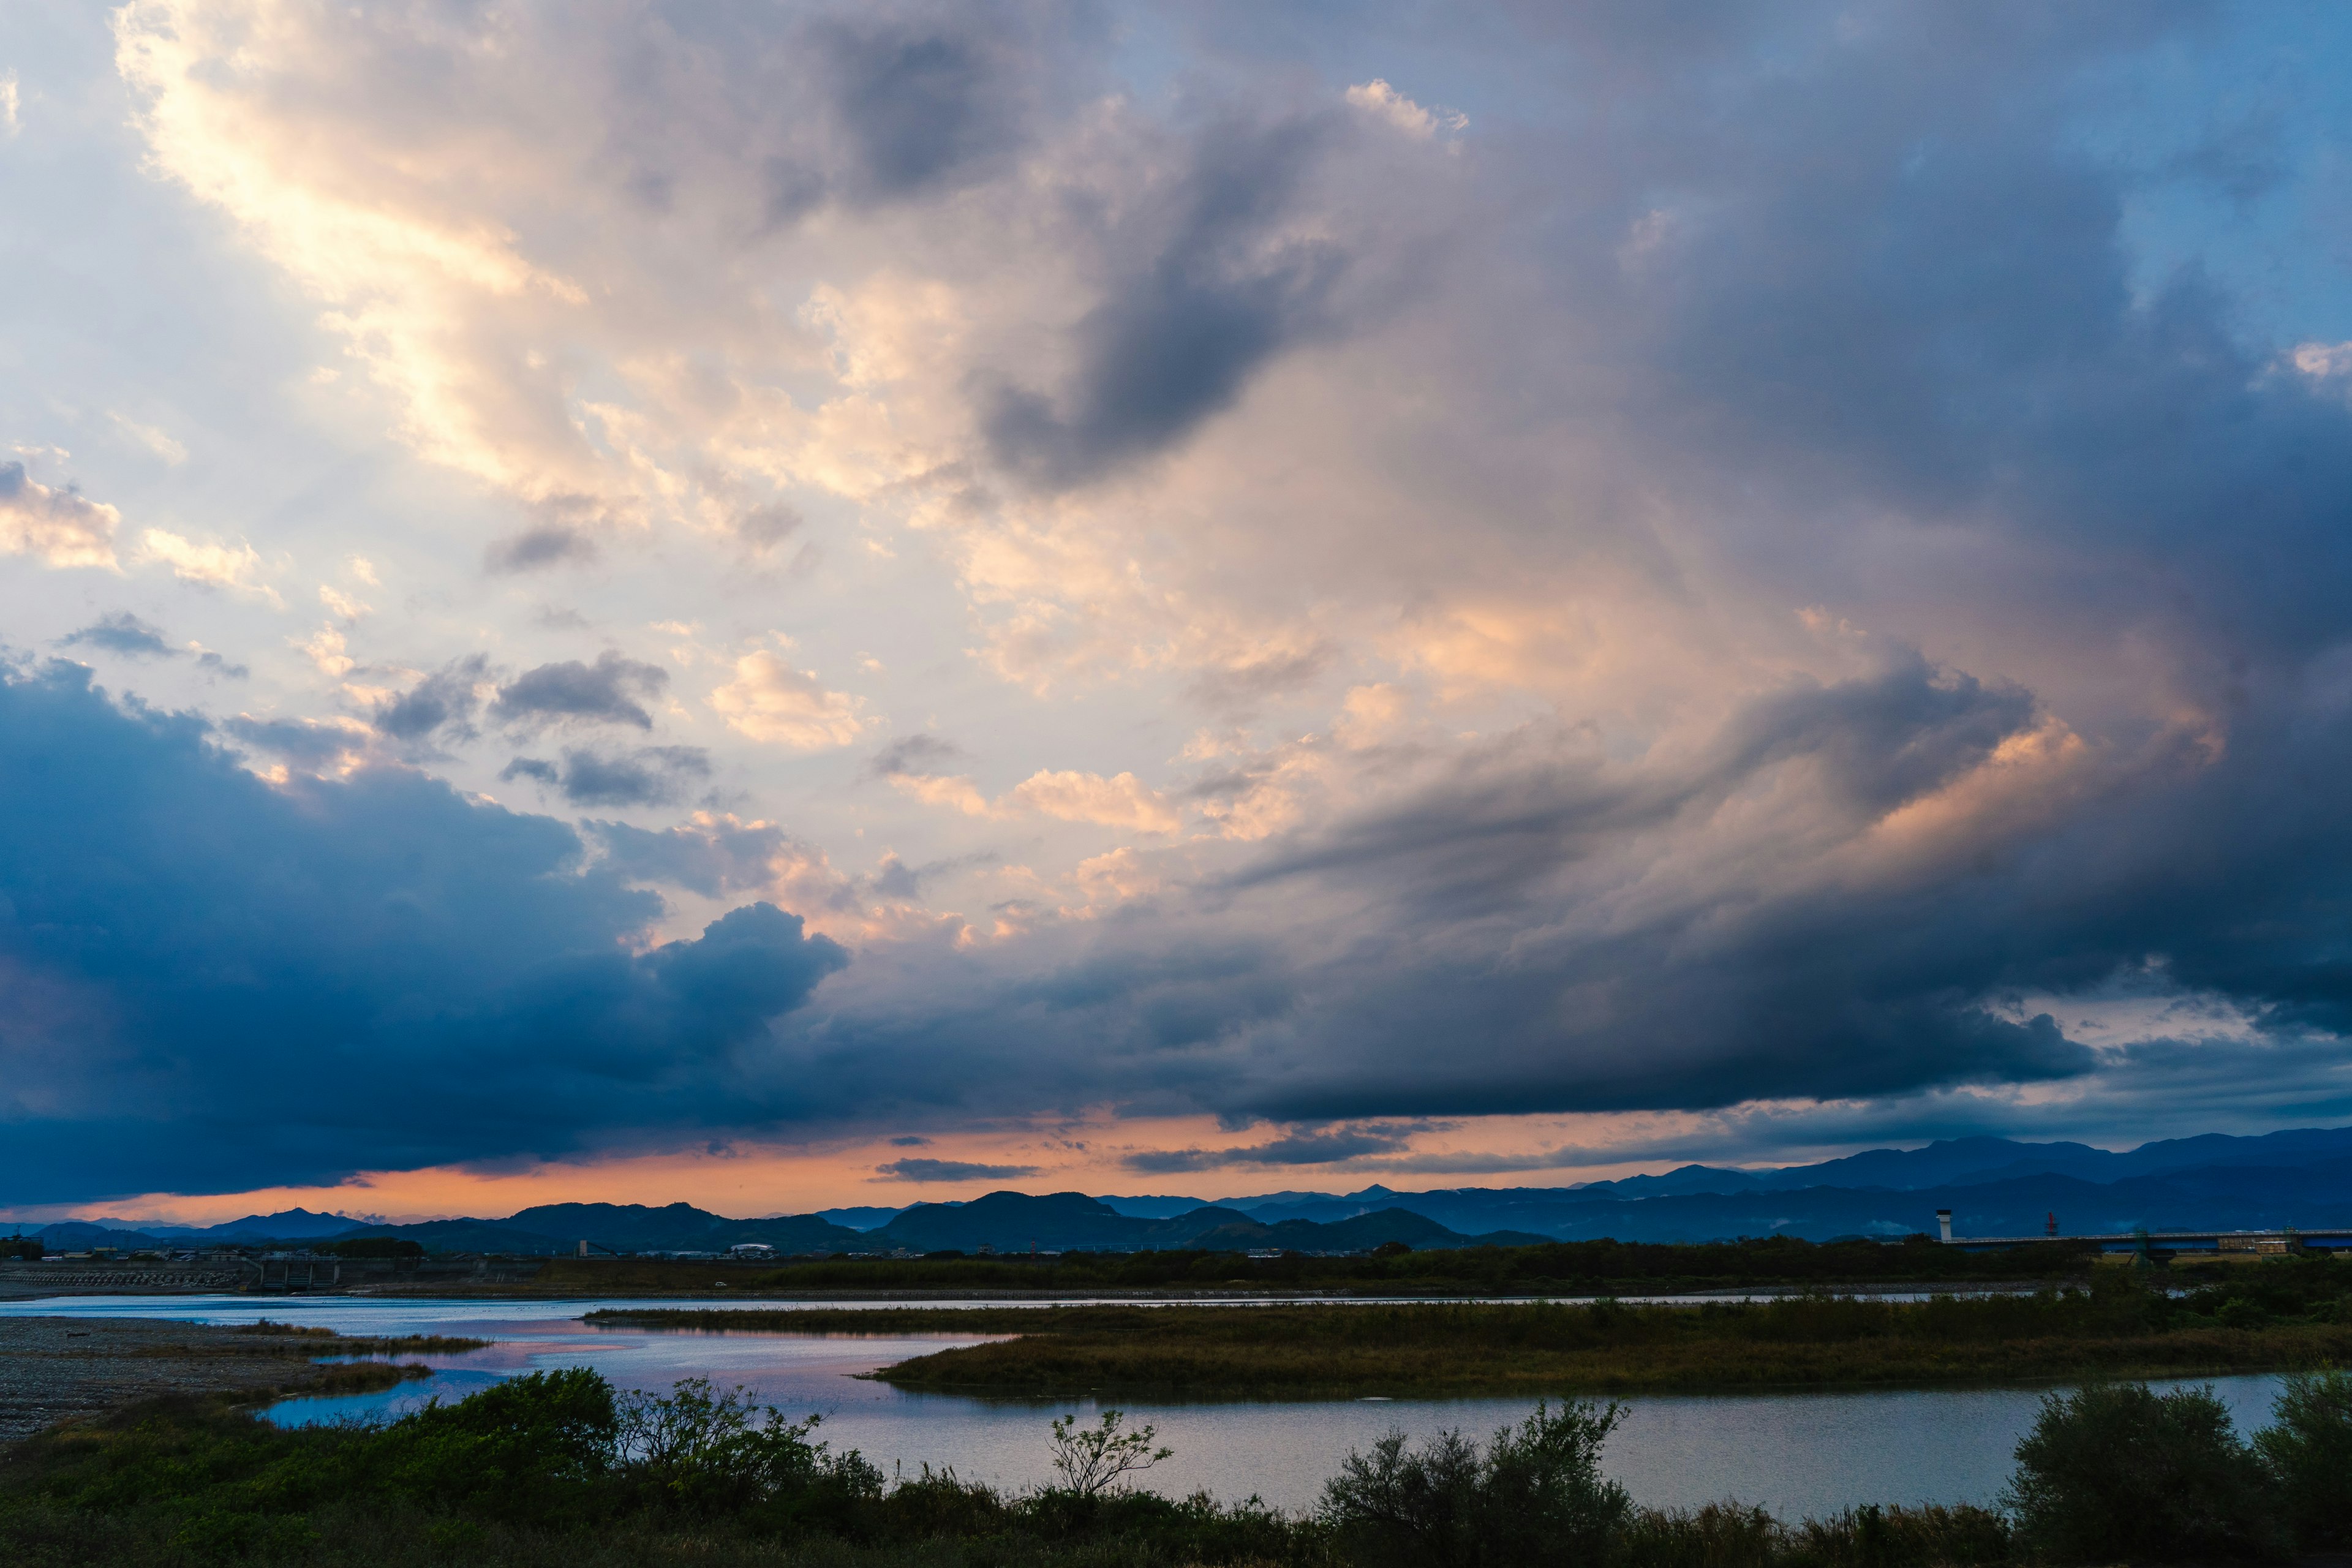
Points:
[(2209, 1182), (682, 1227), (292, 1224), (1066, 1222), (553, 1229), (79, 1236), (1995, 1186)]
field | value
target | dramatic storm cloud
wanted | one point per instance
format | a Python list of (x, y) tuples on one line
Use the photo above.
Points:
[(1134, 589), (217, 982)]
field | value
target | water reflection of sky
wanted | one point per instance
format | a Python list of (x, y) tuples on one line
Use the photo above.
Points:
[(1794, 1453)]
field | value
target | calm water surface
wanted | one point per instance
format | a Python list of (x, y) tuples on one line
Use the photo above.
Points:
[(1794, 1453)]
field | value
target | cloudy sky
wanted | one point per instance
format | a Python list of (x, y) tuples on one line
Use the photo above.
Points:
[(785, 603)]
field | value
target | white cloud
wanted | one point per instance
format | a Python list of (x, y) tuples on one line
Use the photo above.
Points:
[(770, 700), (1377, 96), (153, 440), (2322, 361), (213, 564), (64, 528), (946, 789), (1119, 800), (8, 102), (326, 649), (341, 604)]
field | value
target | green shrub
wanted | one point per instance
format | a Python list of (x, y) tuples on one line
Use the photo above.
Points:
[(2116, 1472), (529, 1447), (708, 1453), (1098, 1460), (1534, 1495), (2309, 1453)]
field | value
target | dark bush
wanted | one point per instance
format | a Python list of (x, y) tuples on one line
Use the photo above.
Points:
[(1534, 1495), (2309, 1453), (940, 1503), (1726, 1535), (702, 1452), (2116, 1472), (529, 1447)]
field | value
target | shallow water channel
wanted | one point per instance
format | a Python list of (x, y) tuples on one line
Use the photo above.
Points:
[(1796, 1454)]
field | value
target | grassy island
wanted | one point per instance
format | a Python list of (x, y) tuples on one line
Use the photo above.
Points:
[(1554, 1268), (2282, 1314)]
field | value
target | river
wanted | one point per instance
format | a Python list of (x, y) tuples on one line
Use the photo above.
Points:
[(1796, 1454)]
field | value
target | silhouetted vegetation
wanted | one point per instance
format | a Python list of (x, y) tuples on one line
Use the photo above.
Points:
[(1534, 1495), (29, 1247), (2309, 1453), (2287, 1314), (1569, 1268), (295, 1338), (371, 1246), (556, 1469), (2122, 1473)]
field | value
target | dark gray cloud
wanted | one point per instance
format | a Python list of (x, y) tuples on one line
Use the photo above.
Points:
[(894, 878), (919, 1170), (647, 776), (1240, 688), (762, 528), (861, 106), (304, 741), (917, 757), (442, 705), (548, 545), (1308, 1148), (919, 105), (219, 983), (1217, 290), (910, 1141), (612, 690), (121, 633), (538, 768), (714, 861)]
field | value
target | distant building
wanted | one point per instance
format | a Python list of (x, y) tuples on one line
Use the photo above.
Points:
[(750, 1249)]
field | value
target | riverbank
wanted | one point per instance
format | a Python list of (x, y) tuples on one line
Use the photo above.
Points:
[(562, 1469), (1308, 1351), (1551, 1269), (58, 1369), (559, 1470)]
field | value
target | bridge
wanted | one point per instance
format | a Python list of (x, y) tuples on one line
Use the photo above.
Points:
[(2320, 1238)]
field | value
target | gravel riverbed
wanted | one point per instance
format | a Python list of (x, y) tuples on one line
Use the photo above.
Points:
[(52, 1369)]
